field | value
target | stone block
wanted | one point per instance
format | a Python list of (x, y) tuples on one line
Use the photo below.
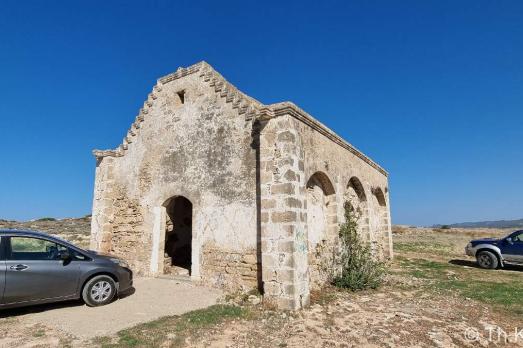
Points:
[(290, 175), (272, 288), (289, 290), (286, 303), (249, 258), (285, 216), (286, 188), (287, 231), (292, 202), (286, 246), (266, 177), (269, 275), (268, 203), (269, 260)]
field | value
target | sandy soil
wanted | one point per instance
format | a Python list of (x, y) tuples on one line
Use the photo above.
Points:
[(388, 318), (152, 299), (403, 313)]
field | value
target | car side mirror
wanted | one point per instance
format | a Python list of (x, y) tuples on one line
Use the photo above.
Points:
[(509, 241), (65, 256)]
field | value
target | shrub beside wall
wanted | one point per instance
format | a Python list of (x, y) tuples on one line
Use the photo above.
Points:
[(359, 269)]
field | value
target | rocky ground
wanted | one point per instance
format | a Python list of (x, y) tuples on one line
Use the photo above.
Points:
[(434, 296)]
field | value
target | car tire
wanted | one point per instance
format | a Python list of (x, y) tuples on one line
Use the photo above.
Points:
[(487, 260), (99, 291)]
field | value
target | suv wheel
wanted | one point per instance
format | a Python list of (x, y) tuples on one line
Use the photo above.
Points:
[(99, 291), (487, 260)]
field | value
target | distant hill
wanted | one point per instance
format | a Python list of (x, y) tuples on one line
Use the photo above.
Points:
[(489, 224), (76, 230)]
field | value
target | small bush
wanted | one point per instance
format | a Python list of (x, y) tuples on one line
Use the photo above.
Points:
[(47, 219), (360, 270), (445, 227)]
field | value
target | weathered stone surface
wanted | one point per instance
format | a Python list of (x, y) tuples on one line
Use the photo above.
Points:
[(286, 188), (266, 185), (286, 216)]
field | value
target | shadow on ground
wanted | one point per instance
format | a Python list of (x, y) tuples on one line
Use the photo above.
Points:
[(473, 264), (14, 312)]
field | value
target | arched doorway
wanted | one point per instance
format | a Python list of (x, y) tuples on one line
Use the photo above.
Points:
[(381, 223), (321, 226), (357, 199), (178, 236)]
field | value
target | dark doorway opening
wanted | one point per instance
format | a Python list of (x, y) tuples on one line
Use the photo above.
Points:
[(178, 236)]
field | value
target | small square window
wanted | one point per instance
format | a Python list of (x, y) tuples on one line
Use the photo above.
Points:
[(181, 96)]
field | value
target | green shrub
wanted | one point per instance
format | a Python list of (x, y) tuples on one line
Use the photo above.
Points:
[(359, 269), (445, 227), (47, 219)]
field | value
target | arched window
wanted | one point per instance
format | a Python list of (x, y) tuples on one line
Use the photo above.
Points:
[(356, 185), (380, 196)]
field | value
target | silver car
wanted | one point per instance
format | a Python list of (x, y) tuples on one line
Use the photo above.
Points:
[(37, 268)]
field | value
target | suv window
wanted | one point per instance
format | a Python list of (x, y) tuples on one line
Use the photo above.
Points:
[(2, 246), (28, 248), (517, 237)]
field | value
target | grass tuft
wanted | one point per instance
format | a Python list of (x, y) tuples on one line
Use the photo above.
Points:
[(502, 291), (172, 331)]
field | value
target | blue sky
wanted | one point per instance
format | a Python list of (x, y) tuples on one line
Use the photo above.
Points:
[(431, 90)]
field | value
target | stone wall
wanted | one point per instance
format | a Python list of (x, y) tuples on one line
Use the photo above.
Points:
[(231, 270), (304, 163), (283, 215), (192, 138)]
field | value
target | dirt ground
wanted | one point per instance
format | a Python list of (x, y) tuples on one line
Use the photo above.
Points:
[(434, 296), (74, 322), (411, 310)]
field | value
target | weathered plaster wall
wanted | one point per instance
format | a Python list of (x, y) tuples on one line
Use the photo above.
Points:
[(201, 150)]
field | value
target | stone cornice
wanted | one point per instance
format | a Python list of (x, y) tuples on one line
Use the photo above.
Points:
[(289, 108), (182, 72), (107, 153)]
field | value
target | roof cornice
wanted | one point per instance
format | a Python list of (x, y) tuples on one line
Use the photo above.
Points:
[(289, 108)]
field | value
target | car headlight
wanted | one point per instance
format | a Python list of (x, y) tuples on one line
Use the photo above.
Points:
[(120, 262)]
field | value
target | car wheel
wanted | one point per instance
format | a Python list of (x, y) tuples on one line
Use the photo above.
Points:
[(487, 260), (99, 291)]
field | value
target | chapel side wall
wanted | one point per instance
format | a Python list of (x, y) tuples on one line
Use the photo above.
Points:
[(200, 149), (323, 155)]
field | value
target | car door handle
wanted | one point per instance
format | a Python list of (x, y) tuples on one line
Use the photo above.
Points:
[(19, 267)]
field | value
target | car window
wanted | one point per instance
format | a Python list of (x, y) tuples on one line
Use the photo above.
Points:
[(27, 248), (518, 237)]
